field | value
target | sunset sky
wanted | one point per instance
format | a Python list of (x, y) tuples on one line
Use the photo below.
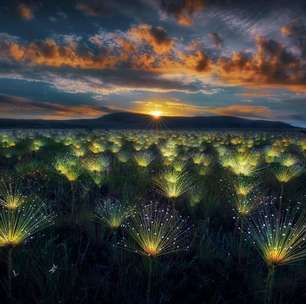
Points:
[(84, 59)]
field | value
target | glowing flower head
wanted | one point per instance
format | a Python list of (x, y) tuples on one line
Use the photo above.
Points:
[(112, 213), (19, 224), (144, 158), (69, 167), (173, 184), (278, 236), (244, 186), (244, 164), (11, 196), (245, 205), (286, 174), (157, 231)]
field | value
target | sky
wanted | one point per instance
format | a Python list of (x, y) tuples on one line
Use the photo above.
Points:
[(84, 59)]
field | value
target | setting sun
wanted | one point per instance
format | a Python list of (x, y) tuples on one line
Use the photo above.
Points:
[(156, 114)]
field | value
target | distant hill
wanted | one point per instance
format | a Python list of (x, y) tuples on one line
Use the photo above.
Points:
[(125, 120)]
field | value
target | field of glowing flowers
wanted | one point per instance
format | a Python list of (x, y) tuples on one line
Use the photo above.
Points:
[(152, 217)]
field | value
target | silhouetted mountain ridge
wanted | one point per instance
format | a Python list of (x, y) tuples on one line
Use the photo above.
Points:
[(127, 120)]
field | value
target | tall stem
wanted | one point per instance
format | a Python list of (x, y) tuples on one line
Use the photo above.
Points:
[(281, 196), (9, 272), (72, 200), (270, 281), (240, 241), (149, 281)]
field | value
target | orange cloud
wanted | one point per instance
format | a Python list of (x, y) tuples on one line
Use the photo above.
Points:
[(184, 20), (25, 12), (155, 37), (195, 63), (150, 49), (129, 49), (271, 66), (50, 53)]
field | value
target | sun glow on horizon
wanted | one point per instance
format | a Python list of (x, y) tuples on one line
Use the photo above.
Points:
[(158, 108), (156, 114)]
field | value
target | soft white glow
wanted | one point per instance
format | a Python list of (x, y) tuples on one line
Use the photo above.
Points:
[(156, 114)]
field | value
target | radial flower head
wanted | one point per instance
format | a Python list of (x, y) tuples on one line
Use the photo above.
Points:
[(271, 153), (96, 164), (19, 224), (11, 197), (278, 236), (7, 141), (69, 167), (243, 186), (115, 148), (173, 184), (288, 160), (78, 151), (198, 158), (144, 158), (112, 213), (168, 149), (96, 147), (36, 145), (98, 178), (203, 170), (156, 231), (179, 165), (244, 164), (245, 205), (285, 174), (92, 165), (201, 159)]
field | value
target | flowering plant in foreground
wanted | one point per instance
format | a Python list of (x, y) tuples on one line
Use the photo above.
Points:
[(279, 235), (19, 224), (156, 230)]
